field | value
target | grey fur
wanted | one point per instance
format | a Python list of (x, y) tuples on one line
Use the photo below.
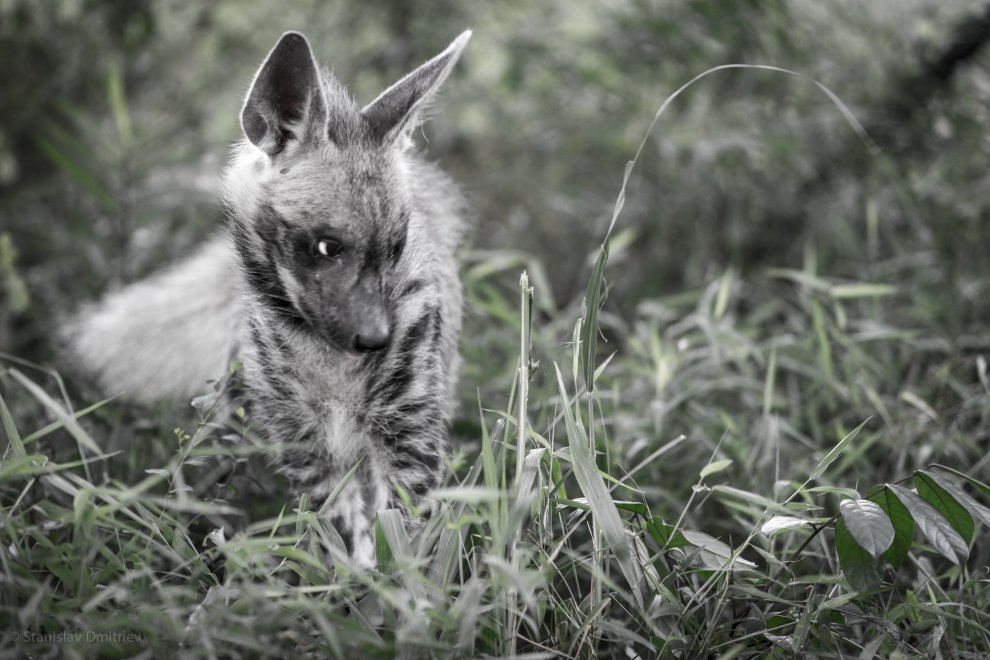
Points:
[(164, 337), (336, 287)]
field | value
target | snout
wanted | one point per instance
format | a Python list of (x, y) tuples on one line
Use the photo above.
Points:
[(374, 334), (371, 340)]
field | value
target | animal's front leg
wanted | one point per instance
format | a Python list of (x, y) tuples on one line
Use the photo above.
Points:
[(352, 514), (354, 505), (415, 467)]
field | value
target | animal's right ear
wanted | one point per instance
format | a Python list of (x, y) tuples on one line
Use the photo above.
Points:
[(286, 97), (398, 108)]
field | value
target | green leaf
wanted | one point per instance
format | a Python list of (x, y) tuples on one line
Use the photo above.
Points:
[(859, 567), (715, 554), (977, 510), (945, 504), (931, 523), (868, 525), (902, 521), (715, 466), (665, 535), (976, 483), (631, 505), (780, 523)]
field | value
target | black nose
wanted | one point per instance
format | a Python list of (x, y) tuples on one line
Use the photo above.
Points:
[(371, 341)]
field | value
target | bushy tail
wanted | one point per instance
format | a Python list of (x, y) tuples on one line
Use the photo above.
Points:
[(163, 337)]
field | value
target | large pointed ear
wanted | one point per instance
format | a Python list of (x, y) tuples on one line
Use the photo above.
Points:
[(395, 109), (286, 97)]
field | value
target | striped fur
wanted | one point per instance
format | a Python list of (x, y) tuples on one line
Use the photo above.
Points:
[(340, 292)]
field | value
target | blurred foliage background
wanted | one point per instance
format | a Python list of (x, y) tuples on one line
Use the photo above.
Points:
[(117, 116), (774, 280)]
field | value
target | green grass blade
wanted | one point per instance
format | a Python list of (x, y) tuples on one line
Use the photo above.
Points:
[(853, 291), (836, 452), (10, 430), (602, 505), (56, 425), (824, 345), (592, 302), (53, 406)]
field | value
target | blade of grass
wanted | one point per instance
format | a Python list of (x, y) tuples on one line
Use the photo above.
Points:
[(76, 431), (602, 506), (10, 429)]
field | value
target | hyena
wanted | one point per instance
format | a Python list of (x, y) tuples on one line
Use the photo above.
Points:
[(335, 286)]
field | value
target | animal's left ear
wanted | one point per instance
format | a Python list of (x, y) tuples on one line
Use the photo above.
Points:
[(286, 97), (395, 110)]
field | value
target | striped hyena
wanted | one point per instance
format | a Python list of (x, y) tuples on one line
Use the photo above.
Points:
[(335, 286)]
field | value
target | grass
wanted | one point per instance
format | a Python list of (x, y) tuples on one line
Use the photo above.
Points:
[(725, 473), (594, 539), (590, 541)]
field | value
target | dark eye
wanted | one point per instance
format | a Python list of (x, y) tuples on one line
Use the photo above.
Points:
[(329, 247), (397, 249)]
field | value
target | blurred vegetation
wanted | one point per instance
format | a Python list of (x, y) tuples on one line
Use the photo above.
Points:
[(772, 281)]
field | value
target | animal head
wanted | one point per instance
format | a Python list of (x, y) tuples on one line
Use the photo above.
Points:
[(320, 194)]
